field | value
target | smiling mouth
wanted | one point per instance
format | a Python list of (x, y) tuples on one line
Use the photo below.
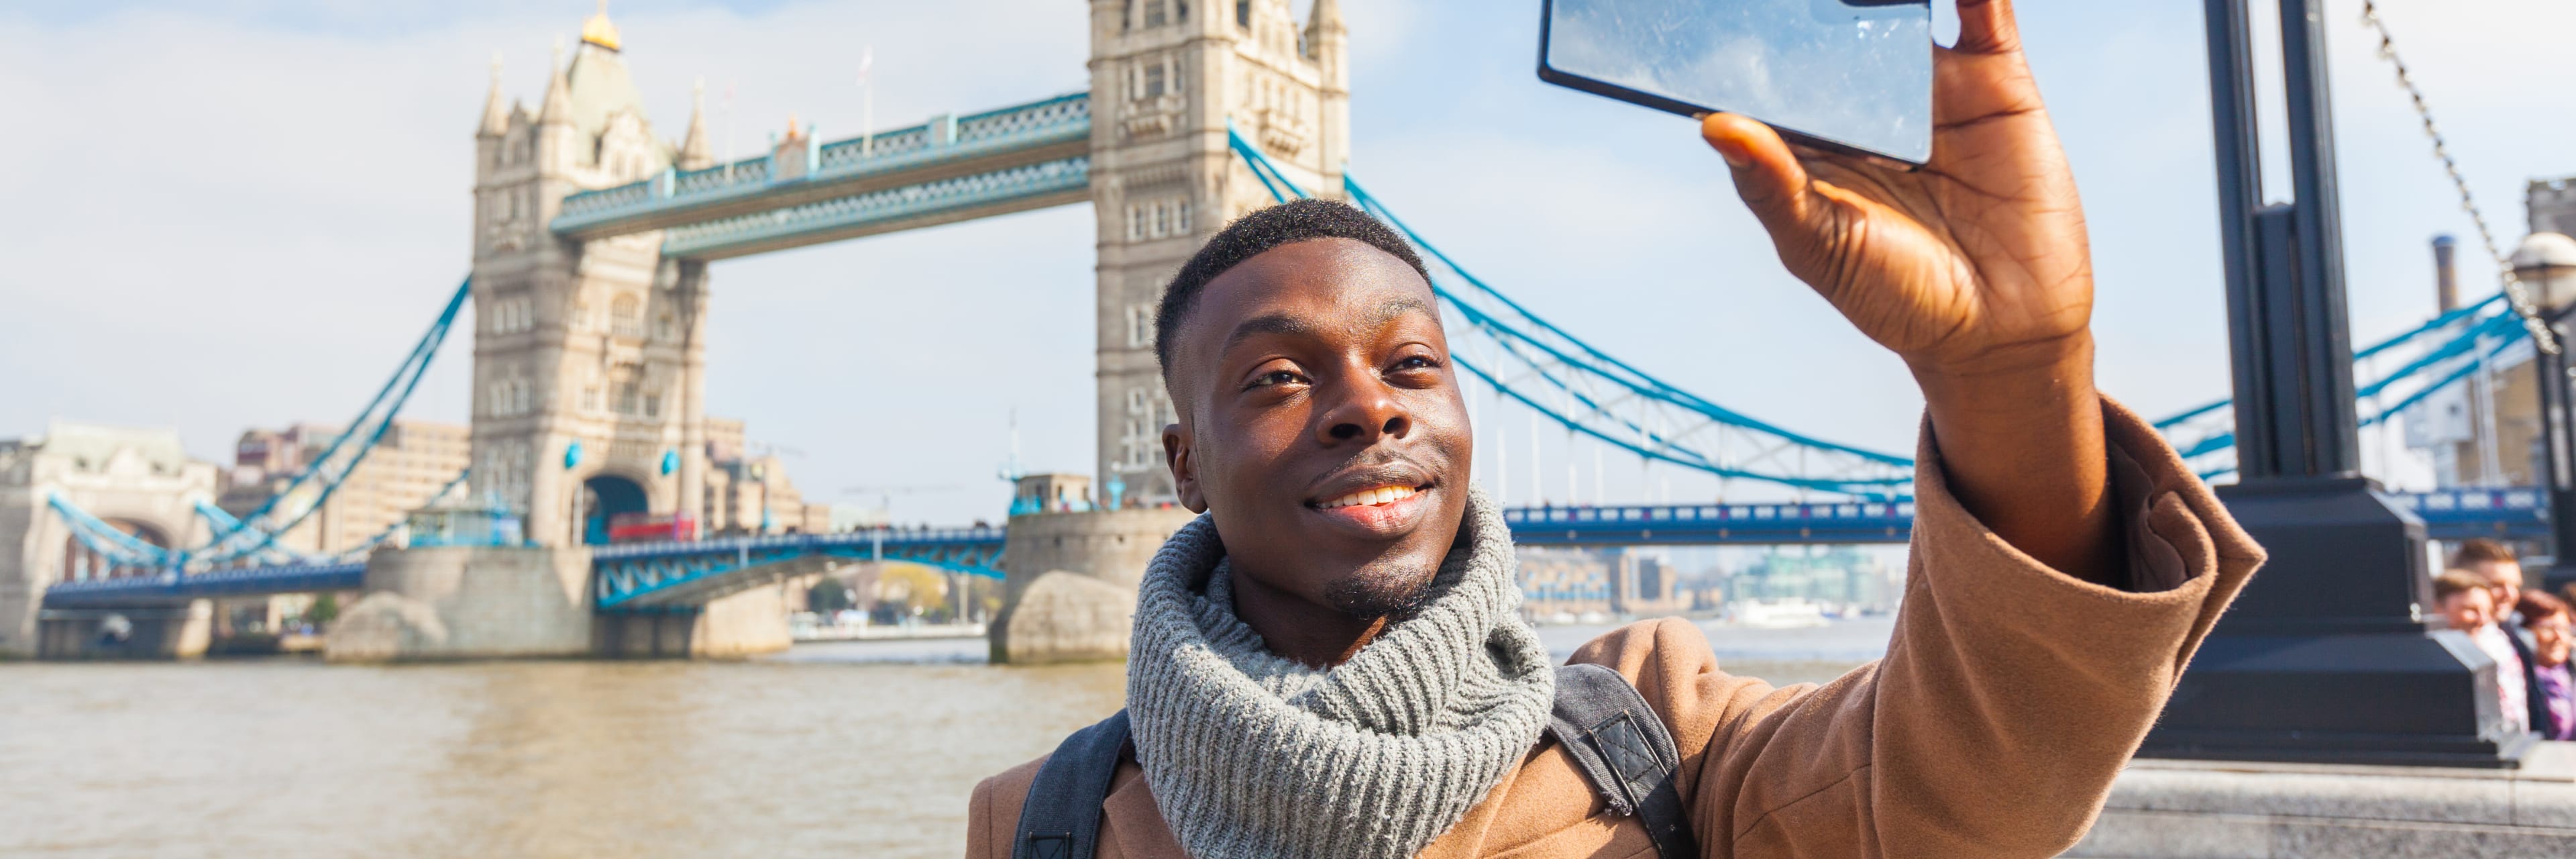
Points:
[(1372, 497)]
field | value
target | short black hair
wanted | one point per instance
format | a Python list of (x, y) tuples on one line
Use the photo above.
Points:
[(1284, 224)]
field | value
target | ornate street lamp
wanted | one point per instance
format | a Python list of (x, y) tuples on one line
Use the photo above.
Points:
[(2329, 654), (2546, 262)]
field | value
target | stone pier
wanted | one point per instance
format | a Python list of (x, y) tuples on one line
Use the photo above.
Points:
[(1071, 591), (468, 602), (178, 630), (745, 623)]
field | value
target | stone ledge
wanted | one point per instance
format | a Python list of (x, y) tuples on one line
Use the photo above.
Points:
[(2234, 810)]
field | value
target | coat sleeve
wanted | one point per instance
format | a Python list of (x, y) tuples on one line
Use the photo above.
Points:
[(2010, 697)]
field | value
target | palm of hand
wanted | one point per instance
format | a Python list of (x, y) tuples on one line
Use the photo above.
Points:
[(1977, 261)]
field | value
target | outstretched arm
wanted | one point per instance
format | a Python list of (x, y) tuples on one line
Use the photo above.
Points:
[(1976, 271)]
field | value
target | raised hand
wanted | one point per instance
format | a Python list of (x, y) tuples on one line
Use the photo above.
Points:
[(1975, 270)]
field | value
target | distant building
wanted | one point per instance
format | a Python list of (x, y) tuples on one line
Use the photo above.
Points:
[(749, 494), (1565, 583), (1645, 583), (141, 482), (1841, 576), (1050, 493), (410, 464)]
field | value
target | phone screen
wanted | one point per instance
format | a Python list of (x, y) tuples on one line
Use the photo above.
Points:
[(1848, 75)]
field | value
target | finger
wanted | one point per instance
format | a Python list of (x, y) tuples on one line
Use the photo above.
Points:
[(1767, 175), (1987, 27)]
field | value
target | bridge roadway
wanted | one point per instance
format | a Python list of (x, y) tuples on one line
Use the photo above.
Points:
[(1026, 156), (650, 577)]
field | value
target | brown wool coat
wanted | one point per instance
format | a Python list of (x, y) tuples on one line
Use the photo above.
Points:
[(2009, 699)]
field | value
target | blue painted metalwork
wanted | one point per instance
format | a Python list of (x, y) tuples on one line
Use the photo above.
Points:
[(674, 198), (2451, 514), (1713, 524), (168, 588), (661, 576), (256, 534), (859, 213), (631, 576)]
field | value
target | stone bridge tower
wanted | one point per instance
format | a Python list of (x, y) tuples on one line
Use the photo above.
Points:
[(1166, 76), (589, 356)]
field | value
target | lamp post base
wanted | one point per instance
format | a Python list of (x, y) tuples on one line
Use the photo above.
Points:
[(2326, 657)]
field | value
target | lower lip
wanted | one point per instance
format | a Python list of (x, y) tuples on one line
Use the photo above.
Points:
[(1388, 517)]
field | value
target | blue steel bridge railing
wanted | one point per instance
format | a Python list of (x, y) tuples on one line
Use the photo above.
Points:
[(651, 576), (1061, 119), (640, 576)]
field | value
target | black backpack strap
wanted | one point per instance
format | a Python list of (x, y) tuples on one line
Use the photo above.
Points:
[(1061, 817), (1624, 749)]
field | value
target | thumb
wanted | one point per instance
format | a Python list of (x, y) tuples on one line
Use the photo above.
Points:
[(1768, 177)]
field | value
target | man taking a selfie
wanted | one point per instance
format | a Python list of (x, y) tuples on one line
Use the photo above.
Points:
[(1330, 662)]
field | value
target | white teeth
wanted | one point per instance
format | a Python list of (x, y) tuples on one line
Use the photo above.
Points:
[(1378, 495)]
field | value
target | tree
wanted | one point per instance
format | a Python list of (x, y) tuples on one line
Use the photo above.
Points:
[(828, 596), (325, 609)]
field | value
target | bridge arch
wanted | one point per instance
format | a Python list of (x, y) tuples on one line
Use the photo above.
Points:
[(605, 495), (80, 563)]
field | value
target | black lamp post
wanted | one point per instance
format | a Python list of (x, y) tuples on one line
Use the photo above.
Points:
[(2328, 655), (2546, 263)]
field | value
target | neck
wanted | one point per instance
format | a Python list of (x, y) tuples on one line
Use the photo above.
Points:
[(1317, 636)]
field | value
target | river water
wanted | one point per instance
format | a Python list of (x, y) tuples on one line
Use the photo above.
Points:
[(846, 749)]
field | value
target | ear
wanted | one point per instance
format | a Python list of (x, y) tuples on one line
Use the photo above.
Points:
[(1185, 474)]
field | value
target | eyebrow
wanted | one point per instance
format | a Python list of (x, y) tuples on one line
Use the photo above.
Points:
[(1292, 326)]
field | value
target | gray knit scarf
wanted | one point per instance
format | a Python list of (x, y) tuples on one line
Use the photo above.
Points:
[(1252, 755)]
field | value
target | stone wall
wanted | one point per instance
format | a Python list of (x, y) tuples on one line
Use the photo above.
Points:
[(1071, 589), (2237, 810), (459, 602), (744, 623)]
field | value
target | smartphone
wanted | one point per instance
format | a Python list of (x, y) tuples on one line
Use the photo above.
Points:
[(1847, 76)]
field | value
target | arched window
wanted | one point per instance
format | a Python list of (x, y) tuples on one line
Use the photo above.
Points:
[(626, 316)]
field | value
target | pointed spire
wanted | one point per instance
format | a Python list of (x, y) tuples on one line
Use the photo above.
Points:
[(695, 152), (496, 119), (1326, 17), (557, 107)]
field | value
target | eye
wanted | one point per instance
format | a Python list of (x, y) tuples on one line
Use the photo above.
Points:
[(1418, 362), (1274, 379)]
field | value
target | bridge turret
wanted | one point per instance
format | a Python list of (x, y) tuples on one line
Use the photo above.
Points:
[(496, 119), (1328, 43), (695, 152), (1167, 80)]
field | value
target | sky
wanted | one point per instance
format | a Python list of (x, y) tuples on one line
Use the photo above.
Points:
[(236, 213)]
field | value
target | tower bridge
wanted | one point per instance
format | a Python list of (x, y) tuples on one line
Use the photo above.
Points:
[(593, 249)]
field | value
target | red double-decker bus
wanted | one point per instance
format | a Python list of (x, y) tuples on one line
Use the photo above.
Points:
[(651, 527)]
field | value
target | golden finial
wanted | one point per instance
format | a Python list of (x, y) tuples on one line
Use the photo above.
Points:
[(598, 31)]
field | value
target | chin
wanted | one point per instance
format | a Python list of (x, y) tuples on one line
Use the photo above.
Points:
[(1388, 588)]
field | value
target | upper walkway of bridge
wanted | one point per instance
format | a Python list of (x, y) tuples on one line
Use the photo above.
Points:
[(950, 168)]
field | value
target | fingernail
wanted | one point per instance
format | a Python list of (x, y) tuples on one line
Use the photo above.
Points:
[(1733, 152)]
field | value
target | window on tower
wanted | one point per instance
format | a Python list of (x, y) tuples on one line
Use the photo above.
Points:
[(1243, 14), (1154, 80), (1157, 12), (626, 316)]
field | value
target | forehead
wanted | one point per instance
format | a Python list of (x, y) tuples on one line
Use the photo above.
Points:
[(1334, 285)]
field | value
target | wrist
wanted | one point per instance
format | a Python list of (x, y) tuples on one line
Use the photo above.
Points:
[(2032, 379)]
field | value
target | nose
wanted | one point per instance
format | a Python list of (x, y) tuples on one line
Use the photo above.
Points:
[(1367, 412)]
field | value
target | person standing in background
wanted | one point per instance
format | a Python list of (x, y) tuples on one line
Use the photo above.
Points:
[(2553, 697), (2503, 572), (2465, 599)]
